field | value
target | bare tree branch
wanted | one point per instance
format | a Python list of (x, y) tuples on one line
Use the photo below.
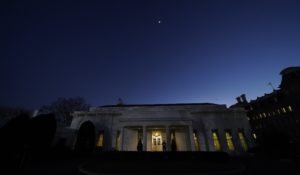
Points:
[(63, 107)]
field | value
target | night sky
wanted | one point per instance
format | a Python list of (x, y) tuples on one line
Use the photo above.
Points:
[(167, 51)]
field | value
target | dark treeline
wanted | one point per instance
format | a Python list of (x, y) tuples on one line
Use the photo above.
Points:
[(24, 136)]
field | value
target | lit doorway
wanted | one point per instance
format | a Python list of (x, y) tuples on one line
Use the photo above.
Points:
[(156, 141)]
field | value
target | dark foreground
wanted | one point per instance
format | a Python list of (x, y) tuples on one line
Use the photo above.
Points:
[(160, 163), (154, 163)]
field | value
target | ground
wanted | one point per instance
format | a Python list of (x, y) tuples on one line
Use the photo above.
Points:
[(240, 165)]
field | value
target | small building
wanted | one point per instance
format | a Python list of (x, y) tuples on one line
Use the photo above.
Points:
[(162, 127)]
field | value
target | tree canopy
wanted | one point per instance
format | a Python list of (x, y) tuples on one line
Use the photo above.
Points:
[(63, 107), (7, 113)]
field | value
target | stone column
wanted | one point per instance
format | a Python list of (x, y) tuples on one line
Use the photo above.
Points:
[(202, 141), (113, 139), (122, 135), (210, 142), (168, 138), (190, 129), (223, 141), (236, 141), (144, 138)]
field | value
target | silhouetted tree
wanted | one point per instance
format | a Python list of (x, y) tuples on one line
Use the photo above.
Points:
[(140, 145), (63, 107), (8, 113), (41, 131), (23, 136), (13, 136), (173, 145), (164, 144)]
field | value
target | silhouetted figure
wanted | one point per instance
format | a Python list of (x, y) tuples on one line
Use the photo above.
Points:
[(140, 145), (173, 145), (164, 146)]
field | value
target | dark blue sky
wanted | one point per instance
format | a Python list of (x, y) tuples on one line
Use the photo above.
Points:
[(202, 51)]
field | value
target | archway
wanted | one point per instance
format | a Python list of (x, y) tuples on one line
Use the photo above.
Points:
[(85, 142)]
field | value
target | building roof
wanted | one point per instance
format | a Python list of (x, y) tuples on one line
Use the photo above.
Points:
[(170, 104), (265, 97), (289, 70)]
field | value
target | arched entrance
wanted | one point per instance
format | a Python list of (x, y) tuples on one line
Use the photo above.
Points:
[(85, 138)]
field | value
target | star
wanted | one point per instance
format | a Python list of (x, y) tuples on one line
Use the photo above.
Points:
[(159, 21)]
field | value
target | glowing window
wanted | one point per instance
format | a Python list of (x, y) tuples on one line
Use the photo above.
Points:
[(197, 147), (154, 141), (254, 135), (265, 115), (216, 141), (100, 140), (158, 141), (290, 108), (269, 114), (229, 141), (283, 109), (243, 140), (278, 111)]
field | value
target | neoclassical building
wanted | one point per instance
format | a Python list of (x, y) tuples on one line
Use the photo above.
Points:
[(161, 127)]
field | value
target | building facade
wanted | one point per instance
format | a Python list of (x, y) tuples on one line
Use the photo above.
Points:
[(162, 127), (275, 117)]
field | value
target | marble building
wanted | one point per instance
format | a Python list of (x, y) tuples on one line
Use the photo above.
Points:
[(162, 127)]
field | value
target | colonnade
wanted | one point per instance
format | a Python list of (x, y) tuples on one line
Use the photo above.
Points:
[(167, 130)]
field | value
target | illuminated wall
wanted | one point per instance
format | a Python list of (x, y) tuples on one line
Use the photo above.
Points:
[(120, 125)]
